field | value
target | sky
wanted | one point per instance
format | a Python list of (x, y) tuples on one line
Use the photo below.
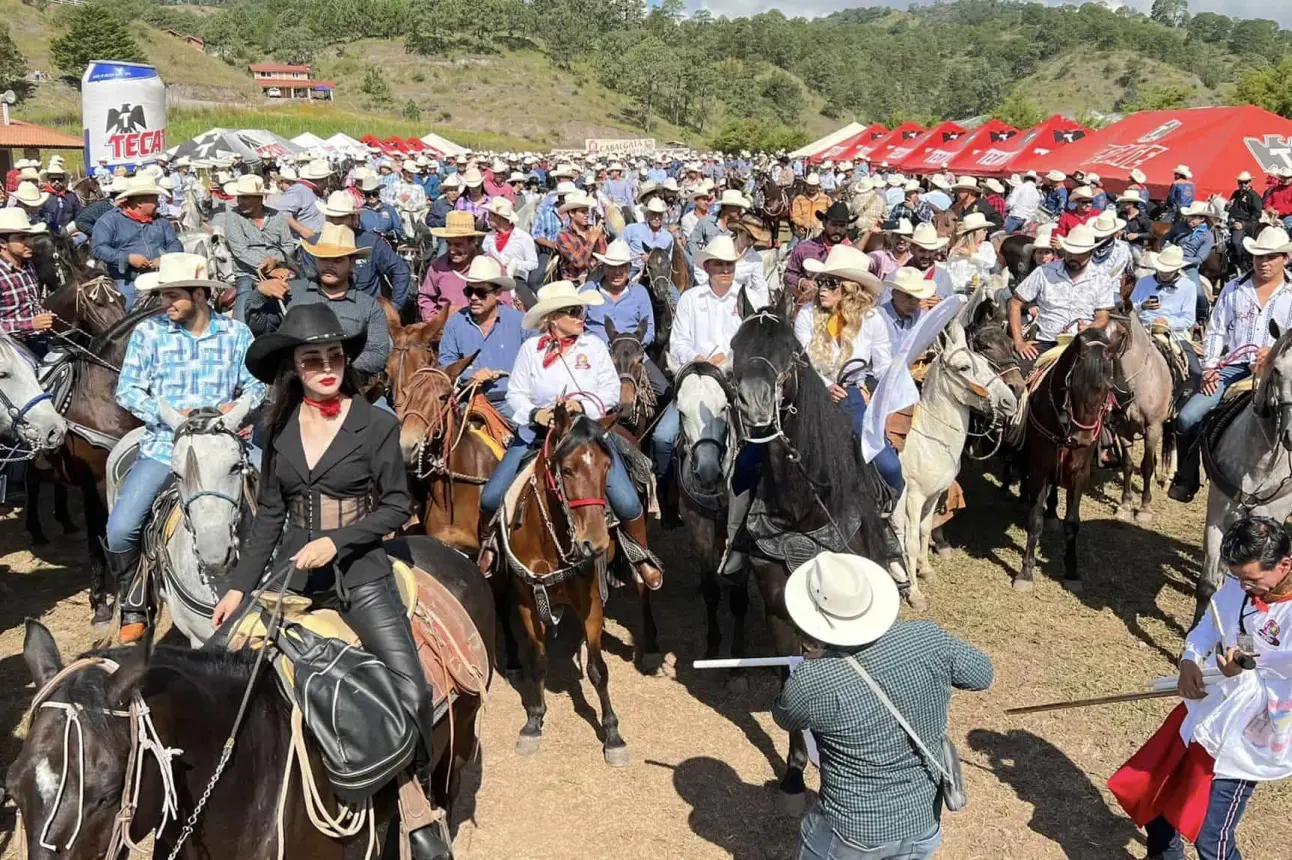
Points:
[(1277, 10)]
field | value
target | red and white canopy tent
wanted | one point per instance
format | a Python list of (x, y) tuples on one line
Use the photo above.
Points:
[(865, 137), (877, 151), (937, 156), (1002, 158), (989, 135), (942, 134), (834, 137), (1217, 143)]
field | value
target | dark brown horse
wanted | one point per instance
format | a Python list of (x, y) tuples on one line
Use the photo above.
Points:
[(665, 271), (637, 401), (772, 203)]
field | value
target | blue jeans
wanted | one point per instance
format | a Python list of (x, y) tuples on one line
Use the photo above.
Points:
[(135, 498), (1188, 424), (246, 287), (1217, 839), (663, 437), (818, 841), (127, 291), (886, 461), (1013, 224), (620, 492)]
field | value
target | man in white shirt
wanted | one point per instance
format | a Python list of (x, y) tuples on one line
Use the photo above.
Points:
[(1022, 203)]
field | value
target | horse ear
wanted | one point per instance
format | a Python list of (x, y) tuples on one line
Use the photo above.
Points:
[(455, 369), (641, 330), (608, 420), (746, 306), (133, 663), (1274, 330), (785, 305), (233, 419), (611, 331), (40, 652)]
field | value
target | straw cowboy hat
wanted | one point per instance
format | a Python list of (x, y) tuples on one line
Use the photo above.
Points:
[(1056, 176), (617, 254), (340, 204), (563, 171), (1273, 240), (973, 221), (472, 178), (848, 263), (721, 249), (1014, 180), (1171, 259), (703, 189), (903, 227), (557, 295), (501, 207), (994, 185), (1044, 239), (842, 599), (1082, 193), (178, 271), (316, 169), (656, 205), (1199, 208), (813, 179), (336, 240), (250, 186), (303, 325), (14, 219), (498, 166), (457, 225), (670, 184), (29, 194), (912, 282), (576, 200), (1081, 239), (1245, 176), (486, 270), (897, 180), (732, 197), (1138, 176), (1183, 170), (926, 236), (912, 185), (1132, 196), (863, 185), (1107, 224), (29, 174), (516, 176)]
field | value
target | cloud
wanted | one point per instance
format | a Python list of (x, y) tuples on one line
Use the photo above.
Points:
[(1277, 10)]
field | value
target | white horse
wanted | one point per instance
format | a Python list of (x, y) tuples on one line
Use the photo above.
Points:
[(957, 383), (26, 412)]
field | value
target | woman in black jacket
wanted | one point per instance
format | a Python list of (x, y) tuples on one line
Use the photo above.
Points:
[(333, 471)]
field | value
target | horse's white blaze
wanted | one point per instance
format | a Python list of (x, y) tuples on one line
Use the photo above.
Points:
[(587, 458), (701, 405), (46, 780)]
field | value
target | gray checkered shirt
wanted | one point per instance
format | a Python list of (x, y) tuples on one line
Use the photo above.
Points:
[(876, 787)]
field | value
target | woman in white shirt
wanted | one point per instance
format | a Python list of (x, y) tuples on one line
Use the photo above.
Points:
[(845, 338), (750, 274), (972, 255), (511, 246), (565, 363)]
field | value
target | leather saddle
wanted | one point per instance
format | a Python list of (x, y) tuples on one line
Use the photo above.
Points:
[(57, 375)]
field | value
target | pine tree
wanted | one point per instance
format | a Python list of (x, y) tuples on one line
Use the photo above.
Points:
[(95, 34)]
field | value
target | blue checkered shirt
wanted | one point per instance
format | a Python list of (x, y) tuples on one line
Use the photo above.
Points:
[(547, 223), (165, 362)]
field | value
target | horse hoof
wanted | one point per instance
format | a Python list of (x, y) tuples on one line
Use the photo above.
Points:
[(1076, 586), (650, 663), (528, 744), (927, 571), (945, 552), (1144, 518), (917, 601), (1023, 585), (791, 805), (1123, 514), (738, 684), (616, 756), (102, 615)]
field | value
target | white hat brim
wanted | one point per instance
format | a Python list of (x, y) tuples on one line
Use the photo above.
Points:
[(544, 306), (877, 620), (872, 284), (1254, 247)]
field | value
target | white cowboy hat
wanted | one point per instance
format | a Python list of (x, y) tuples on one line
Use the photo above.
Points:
[(1044, 239), (1014, 180), (617, 254), (501, 207), (1183, 170), (410, 166), (563, 171), (911, 281), (1081, 239), (1245, 176), (722, 249), (1082, 193), (1131, 196), (13, 219), (368, 183), (287, 173), (450, 181), (557, 295), (1107, 224), (732, 197), (576, 200), (177, 271), (926, 236), (1171, 259), (1137, 175), (701, 189), (316, 169), (656, 205), (1031, 174), (973, 221), (827, 164), (911, 185), (516, 176), (842, 599), (1092, 179), (614, 165), (498, 166), (250, 186), (565, 187), (1056, 176), (1199, 208), (994, 185), (472, 178), (140, 186), (486, 270), (904, 228), (940, 182), (340, 204), (861, 186), (896, 180), (848, 263), (812, 179), (670, 184), (1273, 240), (30, 194), (336, 240), (966, 183)]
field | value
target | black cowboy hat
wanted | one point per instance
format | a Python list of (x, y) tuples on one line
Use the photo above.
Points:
[(838, 211), (303, 324)]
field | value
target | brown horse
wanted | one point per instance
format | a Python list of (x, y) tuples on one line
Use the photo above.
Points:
[(772, 202), (637, 402), (446, 458), (558, 533), (413, 346)]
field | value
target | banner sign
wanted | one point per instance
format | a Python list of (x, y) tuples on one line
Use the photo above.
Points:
[(612, 146), (123, 113)]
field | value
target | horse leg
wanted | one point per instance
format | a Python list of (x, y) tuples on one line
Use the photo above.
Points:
[(1035, 525), (712, 594), (927, 570), (1152, 439), (1071, 527), (940, 543), (1220, 511), (96, 530), (649, 658), (912, 510), (532, 692), (1052, 506), (34, 528), (1123, 513), (61, 513), (1168, 457), (739, 597), (503, 601), (613, 747)]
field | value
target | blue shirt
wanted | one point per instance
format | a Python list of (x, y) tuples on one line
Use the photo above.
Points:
[(301, 203), (440, 208), (639, 237), (1179, 196), (1178, 303), (626, 314), (1055, 200), (1197, 245), (383, 219), (547, 222), (431, 185), (165, 362), (368, 271), (495, 351), (657, 174), (620, 191), (116, 236)]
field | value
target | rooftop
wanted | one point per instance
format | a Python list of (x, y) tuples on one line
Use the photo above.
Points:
[(24, 135), (295, 83), (277, 67)]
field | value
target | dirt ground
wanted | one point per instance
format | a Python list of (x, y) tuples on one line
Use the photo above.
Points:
[(701, 783)]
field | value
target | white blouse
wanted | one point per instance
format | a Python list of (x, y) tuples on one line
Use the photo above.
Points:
[(870, 345), (585, 372), (962, 269), (521, 254)]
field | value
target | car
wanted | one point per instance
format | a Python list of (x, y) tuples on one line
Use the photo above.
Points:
[(273, 92)]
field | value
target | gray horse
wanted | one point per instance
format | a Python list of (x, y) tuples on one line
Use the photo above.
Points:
[(1146, 392), (26, 412)]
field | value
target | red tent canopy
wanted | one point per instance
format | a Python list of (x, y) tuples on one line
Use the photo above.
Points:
[(840, 151), (373, 140), (1215, 142), (939, 156), (990, 134), (1040, 141), (877, 151), (942, 134)]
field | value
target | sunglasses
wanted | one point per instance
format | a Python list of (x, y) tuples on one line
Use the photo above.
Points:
[(321, 363), (829, 283), (577, 311), (478, 292)]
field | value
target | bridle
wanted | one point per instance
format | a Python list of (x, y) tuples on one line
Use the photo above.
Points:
[(1063, 414), (555, 484), (643, 399), (18, 414), (213, 427), (778, 386), (397, 383), (445, 425)]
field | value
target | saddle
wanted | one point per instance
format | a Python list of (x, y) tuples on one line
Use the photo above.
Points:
[(488, 424), (1214, 427), (57, 375)]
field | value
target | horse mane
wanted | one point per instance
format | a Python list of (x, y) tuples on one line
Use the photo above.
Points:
[(1264, 391), (584, 431), (1088, 369)]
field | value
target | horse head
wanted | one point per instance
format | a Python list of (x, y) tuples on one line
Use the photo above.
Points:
[(970, 378), (1089, 385), (28, 412), (987, 335), (93, 306), (414, 347), (210, 460), (1274, 389), (703, 405), (765, 360), (577, 464), (629, 358), (425, 407)]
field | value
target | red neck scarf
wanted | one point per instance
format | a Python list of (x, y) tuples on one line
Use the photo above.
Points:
[(137, 216), (500, 239), (554, 347), (329, 408)]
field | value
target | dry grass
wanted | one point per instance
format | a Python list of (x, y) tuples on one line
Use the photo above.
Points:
[(1076, 84)]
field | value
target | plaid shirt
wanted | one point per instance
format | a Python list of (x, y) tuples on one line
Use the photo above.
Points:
[(547, 223), (576, 253), (19, 297), (920, 213), (164, 362), (876, 786)]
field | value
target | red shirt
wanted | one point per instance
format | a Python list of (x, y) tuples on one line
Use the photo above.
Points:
[(1071, 219), (1280, 200)]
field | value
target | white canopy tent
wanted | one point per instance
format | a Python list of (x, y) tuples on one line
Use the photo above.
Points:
[(442, 145), (253, 144), (828, 141), (347, 145), (309, 140)]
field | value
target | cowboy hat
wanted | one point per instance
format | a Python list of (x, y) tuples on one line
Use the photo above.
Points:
[(457, 225), (139, 186), (576, 200), (501, 207), (617, 254), (721, 249), (368, 183), (177, 271), (614, 165), (1044, 240), (29, 194), (966, 183), (1272, 240), (29, 174), (842, 599), (486, 270), (1014, 180), (1245, 176), (250, 186), (1183, 170), (287, 173), (565, 187), (848, 263), (1131, 196), (670, 184), (863, 185), (340, 204), (498, 166), (316, 169), (838, 211), (557, 295), (911, 281), (896, 180), (516, 176), (926, 236), (1107, 224), (303, 324), (1137, 175), (336, 240), (1198, 208), (450, 181), (732, 197), (902, 227), (472, 178), (1031, 174), (14, 219), (656, 205), (1082, 193), (827, 164), (912, 185), (939, 181), (1171, 259), (994, 185), (645, 188), (702, 189), (813, 179), (1056, 176), (973, 221), (563, 171), (410, 166), (1081, 239), (1092, 179)]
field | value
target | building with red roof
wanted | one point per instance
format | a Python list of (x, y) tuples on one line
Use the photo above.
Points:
[(287, 81)]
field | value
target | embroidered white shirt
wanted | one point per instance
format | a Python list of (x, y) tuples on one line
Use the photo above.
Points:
[(520, 253), (704, 325), (1239, 320), (585, 371), (871, 347)]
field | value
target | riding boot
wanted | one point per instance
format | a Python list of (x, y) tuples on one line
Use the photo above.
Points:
[(738, 506), (488, 538), (650, 574), (132, 594), (100, 601), (1187, 480)]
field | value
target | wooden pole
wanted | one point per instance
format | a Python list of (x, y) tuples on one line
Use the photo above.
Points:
[(1087, 703)]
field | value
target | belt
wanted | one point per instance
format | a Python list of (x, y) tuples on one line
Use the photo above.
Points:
[(331, 513)]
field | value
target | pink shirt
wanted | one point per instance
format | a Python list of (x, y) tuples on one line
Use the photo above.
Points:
[(494, 188), (444, 286)]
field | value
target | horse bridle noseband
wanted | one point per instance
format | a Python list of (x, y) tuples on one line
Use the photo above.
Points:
[(215, 427), (18, 414), (781, 408)]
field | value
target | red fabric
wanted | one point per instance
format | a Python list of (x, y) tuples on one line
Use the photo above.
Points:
[(553, 347), (1166, 778), (1070, 219), (1037, 145), (863, 138), (876, 151), (914, 150), (501, 239), (937, 156), (329, 408), (1264, 605), (1216, 142), (1280, 200), (136, 215)]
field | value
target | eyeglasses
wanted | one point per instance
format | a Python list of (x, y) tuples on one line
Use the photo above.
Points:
[(478, 292), (576, 311), (316, 363), (827, 282)]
